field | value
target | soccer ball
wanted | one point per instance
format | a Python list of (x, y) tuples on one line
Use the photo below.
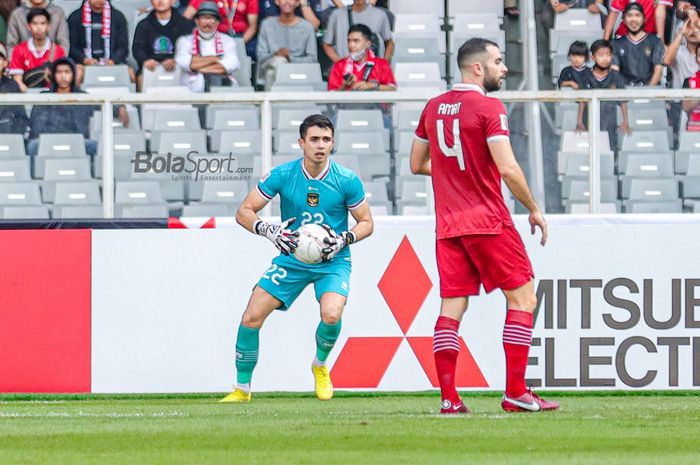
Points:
[(310, 243)]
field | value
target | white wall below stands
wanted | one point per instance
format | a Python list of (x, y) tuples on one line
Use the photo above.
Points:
[(166, 306)]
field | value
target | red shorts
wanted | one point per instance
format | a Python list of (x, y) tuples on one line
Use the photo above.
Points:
[(494, 260)]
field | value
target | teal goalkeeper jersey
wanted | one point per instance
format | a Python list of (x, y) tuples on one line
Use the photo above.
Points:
[(325, 199)]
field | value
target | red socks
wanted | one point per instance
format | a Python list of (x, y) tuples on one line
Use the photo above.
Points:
[(517, 336), (446, 350)]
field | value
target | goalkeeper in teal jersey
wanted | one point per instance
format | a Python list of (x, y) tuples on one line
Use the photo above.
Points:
[(312, 189)]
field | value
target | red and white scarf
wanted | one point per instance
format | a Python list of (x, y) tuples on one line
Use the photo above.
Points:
[(106, 28), (218, 44), (351, 65)]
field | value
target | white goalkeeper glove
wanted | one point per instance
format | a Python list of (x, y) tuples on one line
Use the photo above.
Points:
[(279, 234), (336, 242)]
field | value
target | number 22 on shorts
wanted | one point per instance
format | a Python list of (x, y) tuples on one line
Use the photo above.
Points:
[(456, 149), (275, 273)]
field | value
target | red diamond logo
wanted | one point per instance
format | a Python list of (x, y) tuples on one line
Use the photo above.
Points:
[(405, 285), (467, 375), (363, 361)]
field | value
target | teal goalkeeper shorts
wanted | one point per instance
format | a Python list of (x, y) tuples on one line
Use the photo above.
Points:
[(287, 278)]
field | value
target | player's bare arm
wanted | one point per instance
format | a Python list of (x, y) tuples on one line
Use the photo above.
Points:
[(365, 224), (420, 158), (247, 213), (512, 174)]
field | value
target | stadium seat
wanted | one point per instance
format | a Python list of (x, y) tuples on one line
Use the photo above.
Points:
[(577, 164), (688, 147), (664, 206), (351, 162), (578, 142), (359, 143), (404, 142), (59, 170), (408, 120), (235, 109), (12, 146), (476, 23), (648, 165), (577, 19), (461, 7), (300, 74), (359, 120), (78, 193), (107, 76), (37, 212), (417, 7), (583, 207), (576, 188), (77, 212), (181, 120), (418, 75), (207, 210), (239, 142), (126, 143), (61, 145), (139, 199), (286, 142), (228, 193), (233, 120), (179, 142), (20, 193), (653, 189), (419, 50), (409, 26), (377, 195), (117, 125), (380, 210), (160, 78), (291, 118), (15, 170)]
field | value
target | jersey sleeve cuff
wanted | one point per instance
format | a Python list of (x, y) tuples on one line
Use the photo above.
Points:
[(420, 139), (16, 72), (496, 138), (262, 193), (357, 204)]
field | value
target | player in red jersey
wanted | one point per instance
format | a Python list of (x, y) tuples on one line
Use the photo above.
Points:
[(462, 141)]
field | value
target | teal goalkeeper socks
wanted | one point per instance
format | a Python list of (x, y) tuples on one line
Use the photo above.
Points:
[(326, 335), (246, 353)]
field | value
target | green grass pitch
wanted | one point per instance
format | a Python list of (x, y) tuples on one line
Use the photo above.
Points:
[(349, 430)]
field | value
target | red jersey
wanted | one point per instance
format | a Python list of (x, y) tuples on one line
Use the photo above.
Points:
[(649, 7), (693, 82), (25, 56), (459, 125), (239, 22), (380, 72)]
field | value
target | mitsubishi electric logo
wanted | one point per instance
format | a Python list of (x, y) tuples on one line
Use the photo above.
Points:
[(356, 369)]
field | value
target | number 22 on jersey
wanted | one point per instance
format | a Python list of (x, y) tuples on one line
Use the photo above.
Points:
[(456, 149)]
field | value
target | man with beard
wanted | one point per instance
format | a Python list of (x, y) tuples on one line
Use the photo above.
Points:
[(462, 141), (638, 55), (207, 57)]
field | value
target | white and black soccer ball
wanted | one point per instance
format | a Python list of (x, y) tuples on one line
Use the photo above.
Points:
[(310, 243)]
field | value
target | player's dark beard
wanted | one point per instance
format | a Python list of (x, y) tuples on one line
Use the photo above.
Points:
[(491, 83)]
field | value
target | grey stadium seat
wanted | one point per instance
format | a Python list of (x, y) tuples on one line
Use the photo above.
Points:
[(179, 142), (63, 170), (300, 74), (107, 76), (653, 189), (418, 75), (664, 206), (181, 120), (38, 212), (61, 145), (359, 120), (139, 199), (20, 193), (239, 142), (12, 146), (576, 188), (15, 170)]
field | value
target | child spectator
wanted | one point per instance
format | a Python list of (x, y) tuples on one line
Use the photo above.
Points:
[(603, 77), (574, 74)]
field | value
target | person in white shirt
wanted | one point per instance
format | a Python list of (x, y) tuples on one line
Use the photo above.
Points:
[(206, 57)]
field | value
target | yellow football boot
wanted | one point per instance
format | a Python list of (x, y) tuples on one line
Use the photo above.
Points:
[(237, 396), (324, 387)]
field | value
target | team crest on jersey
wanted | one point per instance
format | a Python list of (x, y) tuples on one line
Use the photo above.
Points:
[(312, 199), (647, 51)]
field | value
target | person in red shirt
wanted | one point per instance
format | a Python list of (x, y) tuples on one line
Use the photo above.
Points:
[(362, 70), (37, 52), (692, 107), (462, 141), (618, 6), (239, 18)]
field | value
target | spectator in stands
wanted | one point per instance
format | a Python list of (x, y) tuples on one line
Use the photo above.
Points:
[(52, 119), (680, 58), (310, 10), (638, 55), (31, 60), (156, 35), (238, 18), (286, 38), (574, 74), (98, 36), (603, 77), (692, 107), (617, 6), (361, 70), (18, 29), (207, 56), (334, 41), (13, 118)]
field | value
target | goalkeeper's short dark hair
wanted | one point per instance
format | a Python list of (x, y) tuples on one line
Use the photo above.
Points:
[(318, 121)]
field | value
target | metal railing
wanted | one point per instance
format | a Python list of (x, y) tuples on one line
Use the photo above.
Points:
[(266, 100)]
